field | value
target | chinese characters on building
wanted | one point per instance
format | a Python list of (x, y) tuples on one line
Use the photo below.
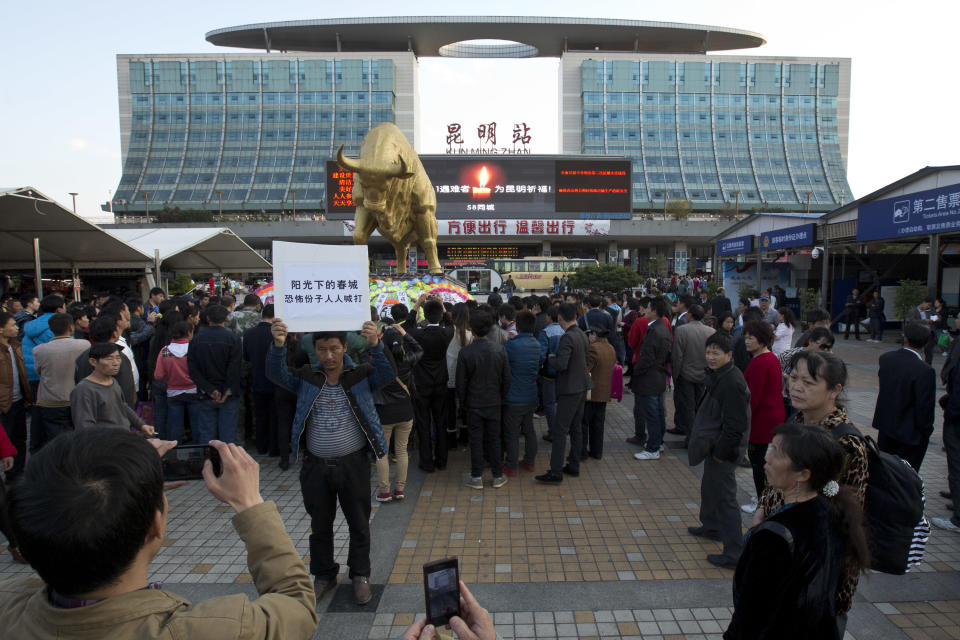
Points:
[(486, 140), (323, 292)]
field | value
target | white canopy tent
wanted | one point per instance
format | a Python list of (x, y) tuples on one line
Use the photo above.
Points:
[(195, 249)]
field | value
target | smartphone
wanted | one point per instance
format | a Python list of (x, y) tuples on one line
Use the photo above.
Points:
[(441, 586), (185, 462)]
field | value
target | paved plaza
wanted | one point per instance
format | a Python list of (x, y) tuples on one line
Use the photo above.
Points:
[(605, 555)]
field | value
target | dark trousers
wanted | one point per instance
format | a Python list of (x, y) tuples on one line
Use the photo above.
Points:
[(517, 421), (14, 422), (55, 420), (876, 327), (569, 421), (431, 432), (484, 426), (6, 523), (180, 409), (686, 397), (455, 432), (158, 391), (639, 422), (594, 419), (928, 353), (36, 421), (718, 504), (951, 441), (548, 387), (324, 483), (286, 406), (854, 319), (652, 409), (265, 421), (757, 453), (912, 453)]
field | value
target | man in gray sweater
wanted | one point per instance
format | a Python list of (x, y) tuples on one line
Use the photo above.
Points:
[(97, 399), (689, 369)]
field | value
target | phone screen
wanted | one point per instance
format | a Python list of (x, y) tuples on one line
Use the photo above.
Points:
[(185, 462), (442, 585)]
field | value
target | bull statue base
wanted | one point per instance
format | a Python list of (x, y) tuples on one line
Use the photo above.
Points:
[(393, 195)]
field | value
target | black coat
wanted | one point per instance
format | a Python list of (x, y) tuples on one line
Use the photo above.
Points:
[(256, 344), (784, 591), (905, 399), (214, 360), (719, 304), (650, 369), (571, 362), (483, 374), (431, 371), (722, 417)]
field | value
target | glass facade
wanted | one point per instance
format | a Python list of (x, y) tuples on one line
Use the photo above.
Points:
[(716, 132), (249, 134)]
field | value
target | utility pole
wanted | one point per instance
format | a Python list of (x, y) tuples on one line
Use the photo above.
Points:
[(809, 193), (293, 192), (736, 197), (74, 194), (220, 205), (146, 202)]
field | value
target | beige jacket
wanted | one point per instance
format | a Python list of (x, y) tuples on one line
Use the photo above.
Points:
[(284, 610)]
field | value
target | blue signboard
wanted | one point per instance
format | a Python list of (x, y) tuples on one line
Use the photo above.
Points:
[(913, 214), (733, 246), (800, 236)]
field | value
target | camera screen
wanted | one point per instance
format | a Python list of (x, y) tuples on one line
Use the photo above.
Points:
[(444, 593), (184, 463)]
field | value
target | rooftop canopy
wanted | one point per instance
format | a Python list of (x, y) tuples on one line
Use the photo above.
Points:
[(454, 36), (66, 240), (196, 249)]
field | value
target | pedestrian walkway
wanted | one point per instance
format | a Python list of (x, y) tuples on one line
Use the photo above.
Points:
[(605, 555)]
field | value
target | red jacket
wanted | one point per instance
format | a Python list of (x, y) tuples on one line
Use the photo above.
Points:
[(172, 367), (765, 379), (7, 450)]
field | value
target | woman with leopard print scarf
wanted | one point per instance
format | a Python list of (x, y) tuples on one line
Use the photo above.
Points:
[(815, 383)]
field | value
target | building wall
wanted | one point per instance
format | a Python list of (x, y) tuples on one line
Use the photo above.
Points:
[(252, 131), (740, 130)]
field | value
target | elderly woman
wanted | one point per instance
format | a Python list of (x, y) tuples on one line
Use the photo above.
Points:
[(600, 361), (792, 564)]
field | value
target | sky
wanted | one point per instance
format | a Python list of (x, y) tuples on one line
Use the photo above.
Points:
[(58, 96)]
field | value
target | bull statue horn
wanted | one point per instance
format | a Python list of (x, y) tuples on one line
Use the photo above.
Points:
[(347, 164), (400, 170)]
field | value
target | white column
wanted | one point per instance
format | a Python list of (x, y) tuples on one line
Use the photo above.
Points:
[(680, 258)]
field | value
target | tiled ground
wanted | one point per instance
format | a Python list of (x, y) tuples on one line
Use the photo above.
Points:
[(605, 555)]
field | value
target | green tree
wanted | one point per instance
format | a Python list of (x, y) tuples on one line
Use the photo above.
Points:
[(809, 300), (712, 287), (658, 264), (604, 277), (181, 284), (748, 291), (679, 209), (910, 293)]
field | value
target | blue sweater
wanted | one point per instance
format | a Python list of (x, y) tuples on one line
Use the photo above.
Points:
[(523, 353)]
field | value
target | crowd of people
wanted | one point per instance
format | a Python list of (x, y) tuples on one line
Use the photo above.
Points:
[(749, 388)]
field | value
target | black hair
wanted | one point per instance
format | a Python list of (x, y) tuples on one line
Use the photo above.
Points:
[(85, 505), (61, 324), (811, 447), (399, 312), (696, 312), (433, 311), (480, 323), (155, 291), (526, 322), (113, 307), (181, 330), (267, 313), (27, 299), (594, 300), (720, 340), (788, 318), (461, 320), (819, 333), (722, 317), (227, 300), (760, 330), (752, 314), (50, 303), (687, 301), (507, 311), (328, 335), (819, 315), (103, 328), (916, 335), (824, 365), (100, 350), (568, 312), (553, 312), (77, 312), (660, 307), (251, 300), (214, 300), (633, 304), (645, 301), (5, 318), (216, 314), (744, 301)]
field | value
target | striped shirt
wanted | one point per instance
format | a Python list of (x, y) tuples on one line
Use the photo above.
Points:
[(332, 428)]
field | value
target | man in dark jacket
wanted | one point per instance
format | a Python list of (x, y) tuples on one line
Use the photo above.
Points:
[(256, 344), (597, 318), (483, 381), (523, 354), (649, 379), (720, 303), (718, 428), (905, 400), (573, 382), (214, 362), (430, 378)]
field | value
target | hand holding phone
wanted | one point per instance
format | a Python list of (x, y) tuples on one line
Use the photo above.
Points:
[(185, 462), (441, 586)]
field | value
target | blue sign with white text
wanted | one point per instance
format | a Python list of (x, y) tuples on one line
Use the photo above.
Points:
[(799, 236), (913, 214), (733, 246)]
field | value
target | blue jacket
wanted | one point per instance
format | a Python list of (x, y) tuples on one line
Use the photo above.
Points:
[(523, 352), (358, 380), (35, 332), (549, 343)]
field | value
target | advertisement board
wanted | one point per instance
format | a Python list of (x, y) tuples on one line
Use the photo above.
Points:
[(509, 227), (593, 185), (803, 235), (913, 214), (733, 246)]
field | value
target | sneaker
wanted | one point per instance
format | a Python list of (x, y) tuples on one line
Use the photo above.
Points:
[(475, 483), (398, 495), (384, 497), (500, 480), (539, 414), (526, 466), (647, 455), (509, 472), (722, 561), (549, 478), (945, 523), (749, 508)]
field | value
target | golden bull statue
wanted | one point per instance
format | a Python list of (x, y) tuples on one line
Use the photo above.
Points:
[(393, 195)]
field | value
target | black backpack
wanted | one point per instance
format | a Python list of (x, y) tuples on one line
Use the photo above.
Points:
[(897, 530)]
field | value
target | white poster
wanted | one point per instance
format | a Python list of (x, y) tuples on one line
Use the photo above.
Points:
[(321, 287)]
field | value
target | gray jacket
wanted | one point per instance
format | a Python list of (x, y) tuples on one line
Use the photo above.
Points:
[(689, 347), (571, 362)]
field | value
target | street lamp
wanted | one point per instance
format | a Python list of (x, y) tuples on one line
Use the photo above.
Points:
[(220, 204), (74, 194), (293, 192), (809, 193), (146, 202), (736, 197)]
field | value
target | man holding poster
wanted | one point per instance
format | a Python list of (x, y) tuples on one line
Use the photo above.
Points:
[(337, 422)]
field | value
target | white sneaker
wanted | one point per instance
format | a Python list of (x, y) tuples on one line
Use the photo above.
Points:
[(647, 455), (749, 508), (945, 523)]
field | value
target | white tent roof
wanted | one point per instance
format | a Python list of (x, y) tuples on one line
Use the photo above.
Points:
[(66, 240), (196, 249)]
